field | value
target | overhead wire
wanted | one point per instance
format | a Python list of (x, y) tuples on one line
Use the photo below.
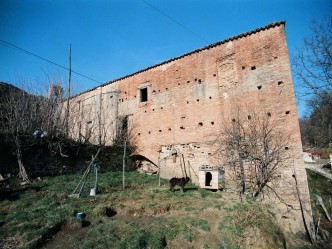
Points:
[(12, 46), (177, 22)]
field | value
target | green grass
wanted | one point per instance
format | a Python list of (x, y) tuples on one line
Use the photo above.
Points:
[(148, 216), (321, 186), (248, 221), (42, 206)]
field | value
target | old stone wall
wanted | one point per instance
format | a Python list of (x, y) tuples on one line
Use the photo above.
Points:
[(184, 102)]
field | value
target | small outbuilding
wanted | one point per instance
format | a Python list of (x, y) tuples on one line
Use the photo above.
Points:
[(211, 177)]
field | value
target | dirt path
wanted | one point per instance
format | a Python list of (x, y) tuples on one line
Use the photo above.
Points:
[(320, 171)]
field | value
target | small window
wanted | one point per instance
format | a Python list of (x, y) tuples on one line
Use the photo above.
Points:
[(144, 94)]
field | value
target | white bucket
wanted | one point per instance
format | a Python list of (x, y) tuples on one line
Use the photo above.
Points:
[(93, 192)]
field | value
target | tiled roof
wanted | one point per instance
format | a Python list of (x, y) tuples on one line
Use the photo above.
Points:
[(271, 25)]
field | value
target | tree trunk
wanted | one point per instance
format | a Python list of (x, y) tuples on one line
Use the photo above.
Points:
[(22, 172)]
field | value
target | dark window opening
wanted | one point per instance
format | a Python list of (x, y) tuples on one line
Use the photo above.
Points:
[(275, 57), (210, 97), (111, 96), (125, 92), (259, 87), (188, 81), (161, 108), (269, 114), (253, 67), (154, 92), (144, 94), (149, 132), (187, 102), (243, 67), (89, 122), (233, 120), (249, 117), (182, 127), (169, 129), (159, 130), (212, 123), (286, 148), (200, 124), (166, 89), (153, 110), (280, 82), (178, 84), (197, 100), (199, 81), (139, 134), (287, 112), (145, 111), (195, 79), (214, 75), (208, 179)]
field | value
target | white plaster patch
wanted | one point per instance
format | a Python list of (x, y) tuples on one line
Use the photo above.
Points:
[(229, 44), (225, 95), (166, 65)]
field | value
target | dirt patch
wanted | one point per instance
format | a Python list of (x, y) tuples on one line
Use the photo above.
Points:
[(65, 236)]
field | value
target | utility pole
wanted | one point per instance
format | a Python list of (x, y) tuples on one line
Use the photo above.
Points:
[(69, 79)]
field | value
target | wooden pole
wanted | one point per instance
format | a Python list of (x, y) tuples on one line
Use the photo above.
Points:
[(124, 164), (159, 171), (69, 80)]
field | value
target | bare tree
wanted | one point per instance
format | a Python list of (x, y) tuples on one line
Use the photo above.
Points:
[(256, 150), (27, 117), (312, 64)]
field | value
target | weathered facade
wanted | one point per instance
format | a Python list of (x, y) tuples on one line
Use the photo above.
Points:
[(178, 107)]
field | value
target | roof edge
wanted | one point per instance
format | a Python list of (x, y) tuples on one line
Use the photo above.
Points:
[(232, 38)]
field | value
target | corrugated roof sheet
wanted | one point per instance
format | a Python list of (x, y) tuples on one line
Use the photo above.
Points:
[(271, 25)]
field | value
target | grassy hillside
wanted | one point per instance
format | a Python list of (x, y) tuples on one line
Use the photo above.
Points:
[(143, 216)]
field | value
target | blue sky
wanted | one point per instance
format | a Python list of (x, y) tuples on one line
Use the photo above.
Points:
[(113, 38)]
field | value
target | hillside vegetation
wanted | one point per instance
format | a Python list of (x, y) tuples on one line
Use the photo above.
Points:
[(41, 215)]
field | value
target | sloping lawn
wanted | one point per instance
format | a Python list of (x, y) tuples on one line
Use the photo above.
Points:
[(41, 215)]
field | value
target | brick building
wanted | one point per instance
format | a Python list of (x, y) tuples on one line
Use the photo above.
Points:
[(178, 107)]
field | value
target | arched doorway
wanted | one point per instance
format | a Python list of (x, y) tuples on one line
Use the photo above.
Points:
[(208, 179)]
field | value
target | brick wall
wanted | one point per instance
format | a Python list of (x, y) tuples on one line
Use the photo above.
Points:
[(185, 101)]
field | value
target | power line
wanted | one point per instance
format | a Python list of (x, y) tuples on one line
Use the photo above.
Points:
[(177, 22), (12, 46)]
